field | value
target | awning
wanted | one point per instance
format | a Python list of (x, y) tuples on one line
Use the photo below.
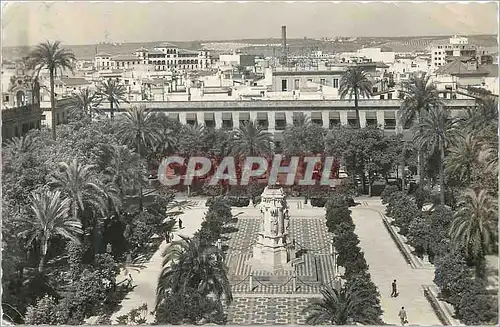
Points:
[(351, 115), (227, 116), (191, 116), (208, 116), (280, 115), (334, 115), (173, 115), (244, 116), (390, 114), (262, 115), (371, 115), (297, 115), (316, 115)]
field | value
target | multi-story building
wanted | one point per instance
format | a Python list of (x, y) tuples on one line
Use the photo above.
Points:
[(455, 46), (164, 56), (275, 115), (20, 107)]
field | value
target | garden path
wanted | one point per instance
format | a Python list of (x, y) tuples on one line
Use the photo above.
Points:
[(146, 278), (386, 264)]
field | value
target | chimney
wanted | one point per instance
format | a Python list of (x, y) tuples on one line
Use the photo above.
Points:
[(283, 43), (283, 38)]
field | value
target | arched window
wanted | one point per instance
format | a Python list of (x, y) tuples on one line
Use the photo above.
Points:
[(20, 98)]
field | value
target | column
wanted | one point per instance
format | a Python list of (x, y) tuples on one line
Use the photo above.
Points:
[(200, 118), (343, 117), (236, 119), (182, 118), (253, 116), (380, 119), (325, 117), (271, 118), (289, 117), (218, 119), (362, 118)]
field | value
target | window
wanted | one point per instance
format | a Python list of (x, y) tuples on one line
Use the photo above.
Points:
[(382, 97), (296, 84), (309, 80), (227, 124), (283, 85), (334, 122), (389, 96), (322, 81), (280, 124), (375, 89), (336, 83)]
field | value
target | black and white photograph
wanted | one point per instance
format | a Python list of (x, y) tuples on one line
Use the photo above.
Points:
[(249, 163)]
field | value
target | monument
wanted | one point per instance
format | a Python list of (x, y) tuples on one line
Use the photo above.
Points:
[(273, 251)]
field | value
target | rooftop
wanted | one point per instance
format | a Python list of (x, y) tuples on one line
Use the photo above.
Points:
[(184, 51), (125, 57), (103, 54), (457, 67), (72, 81)]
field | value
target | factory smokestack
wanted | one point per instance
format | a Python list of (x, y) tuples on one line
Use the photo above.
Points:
[(283, 37), (283, 43)]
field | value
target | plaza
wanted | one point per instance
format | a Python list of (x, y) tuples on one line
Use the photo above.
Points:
[(276, 302)]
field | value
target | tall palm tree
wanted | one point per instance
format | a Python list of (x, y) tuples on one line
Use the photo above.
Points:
[(188, 265), (138, 129), (463, 158), (419, 96), (55, 59), (84, 101), (355, 82), (483, 117), (436, 132), (113, 92), (51, 219), (475, 225), (122, 167), (251, 140), (339, 307), (78, 182)]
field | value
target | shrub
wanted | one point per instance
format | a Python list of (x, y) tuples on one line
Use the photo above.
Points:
[(420, 235), (371, 308), (388, 192), (337, 216), (318, 202), (452, 276), (476, 307), (403, 210), (44, 312)]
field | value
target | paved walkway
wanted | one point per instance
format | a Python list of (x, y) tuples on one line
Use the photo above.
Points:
[(146, 279), (386, 264)]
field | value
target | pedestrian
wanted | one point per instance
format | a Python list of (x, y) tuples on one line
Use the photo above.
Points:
[(402, 316), (180, 223), (394, 289), (167, 237)]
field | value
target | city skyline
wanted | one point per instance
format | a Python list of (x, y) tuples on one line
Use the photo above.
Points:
[(189, 21)]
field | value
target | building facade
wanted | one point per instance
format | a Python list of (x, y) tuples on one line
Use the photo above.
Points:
[(164, 56)]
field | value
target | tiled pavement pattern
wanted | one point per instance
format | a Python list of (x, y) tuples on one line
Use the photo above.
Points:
[(266, 311), (310, 234)]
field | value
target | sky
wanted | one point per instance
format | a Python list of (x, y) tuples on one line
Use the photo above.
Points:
[(28, 23)]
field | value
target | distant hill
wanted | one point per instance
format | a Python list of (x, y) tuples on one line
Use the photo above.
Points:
[(296, 45)]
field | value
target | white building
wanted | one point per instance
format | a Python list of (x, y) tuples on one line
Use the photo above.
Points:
[(455, 46)]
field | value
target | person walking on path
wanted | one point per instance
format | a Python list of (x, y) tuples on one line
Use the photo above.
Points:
[(167, 237), (402, 316), (394, 289), (180, 223)]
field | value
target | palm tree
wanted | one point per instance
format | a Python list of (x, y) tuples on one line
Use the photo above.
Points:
[(435, 132), (355, 82), (475, 225), (419, 96), (113, 93), (84, 101), (338, 307), (463, 158), (18, 145), (251, 140), (77, 181), (51, 57), (484, 117), (122, 167), (188, 265), (51, 220), (138, 129)]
